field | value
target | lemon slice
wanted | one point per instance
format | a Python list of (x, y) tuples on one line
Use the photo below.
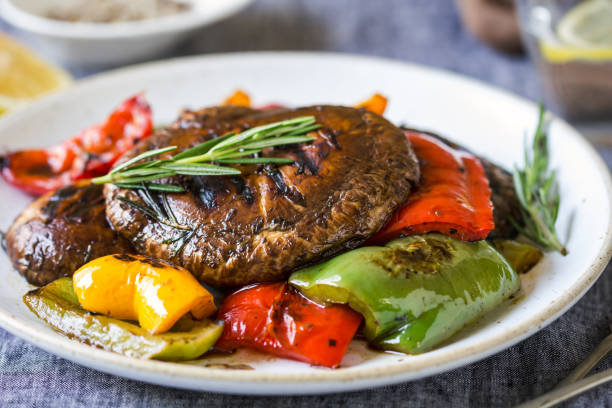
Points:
[(559, 53), (24, 76), (584, 33), (588, 25)]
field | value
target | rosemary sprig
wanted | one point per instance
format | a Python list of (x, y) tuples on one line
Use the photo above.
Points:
[(163, 215), (538, 192), (232, 148)]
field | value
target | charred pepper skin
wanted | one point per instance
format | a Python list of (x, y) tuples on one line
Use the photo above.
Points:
[(275, 318), (89, 154), (414, 292), (58, 305)]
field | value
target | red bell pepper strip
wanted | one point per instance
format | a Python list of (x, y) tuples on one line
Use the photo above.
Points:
[(275, 318), (453, 198), (89, 154)]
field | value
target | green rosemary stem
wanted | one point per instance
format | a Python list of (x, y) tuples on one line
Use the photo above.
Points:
[(538, 192), (230, 148)]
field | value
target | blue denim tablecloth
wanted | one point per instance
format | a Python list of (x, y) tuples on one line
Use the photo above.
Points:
[(422, 31)]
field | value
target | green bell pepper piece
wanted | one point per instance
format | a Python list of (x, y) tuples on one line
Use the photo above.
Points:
[(413, 292), (58, 305)]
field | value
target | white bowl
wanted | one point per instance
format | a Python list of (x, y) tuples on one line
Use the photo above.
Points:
[(97, 44)]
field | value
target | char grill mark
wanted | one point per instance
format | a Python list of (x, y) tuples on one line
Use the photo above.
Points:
[(262, 224), (303, 161), (209, 189), (73, 203), (243, 191), (331, 137), (271, 170)]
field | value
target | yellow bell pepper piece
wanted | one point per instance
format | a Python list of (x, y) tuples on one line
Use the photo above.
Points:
[(133, 287)]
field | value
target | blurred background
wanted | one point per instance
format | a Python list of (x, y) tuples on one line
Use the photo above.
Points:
[(557, 51)]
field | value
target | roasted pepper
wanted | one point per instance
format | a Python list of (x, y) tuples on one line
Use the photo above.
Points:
[(238, 98), (521, 256), (134, 287), (414, 292), (58, 305), (89, 154), (377, 104), (277, 319), (453, 198)]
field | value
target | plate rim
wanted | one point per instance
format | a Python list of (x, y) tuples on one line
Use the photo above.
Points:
[(320, 381)]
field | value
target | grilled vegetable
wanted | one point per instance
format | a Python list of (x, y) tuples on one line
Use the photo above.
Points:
[(522, 257), (414, 292), (91, 153), (276, 319), (58, 306), (149, 290), (238, 98), (377, 104), (453, 198)]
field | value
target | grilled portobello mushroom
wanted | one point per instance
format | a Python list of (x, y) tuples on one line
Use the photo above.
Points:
[(270, 220), (60, 232)]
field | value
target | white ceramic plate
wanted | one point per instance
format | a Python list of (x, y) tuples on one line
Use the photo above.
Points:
[(484, 119)]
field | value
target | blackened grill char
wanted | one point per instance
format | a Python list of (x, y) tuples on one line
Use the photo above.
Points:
[(271, 219), (61, 231)]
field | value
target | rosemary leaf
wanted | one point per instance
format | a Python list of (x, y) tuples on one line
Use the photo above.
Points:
[(167, 209), (146, 196), (260, 129), (139, 207), (142, 156), (201, 148), (207, 172), (133, 176), (187, 235), (149, 164), (166, 188), (152, 214), (277, 141), (303, 130), (139, 172), (538, 192), (139, 179), (233, 154), (200, 169), (257, 160)]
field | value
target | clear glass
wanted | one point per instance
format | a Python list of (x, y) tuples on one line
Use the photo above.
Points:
[(577, 87)]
